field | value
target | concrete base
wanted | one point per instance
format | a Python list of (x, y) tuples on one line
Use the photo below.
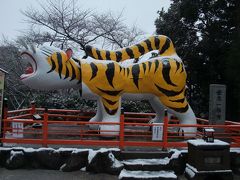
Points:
[(191, 173)]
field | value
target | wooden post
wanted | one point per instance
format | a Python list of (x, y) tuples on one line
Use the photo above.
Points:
[(45, 128), (121, 133), (165, 131)]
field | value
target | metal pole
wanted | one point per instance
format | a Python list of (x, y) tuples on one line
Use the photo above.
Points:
[(121, 133)]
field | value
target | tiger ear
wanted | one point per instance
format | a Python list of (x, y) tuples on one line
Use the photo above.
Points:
[(69, 53)]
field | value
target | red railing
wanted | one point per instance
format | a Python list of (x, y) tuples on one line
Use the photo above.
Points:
[(71, 127)]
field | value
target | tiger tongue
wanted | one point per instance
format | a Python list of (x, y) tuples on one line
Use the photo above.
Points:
[(29, 70)]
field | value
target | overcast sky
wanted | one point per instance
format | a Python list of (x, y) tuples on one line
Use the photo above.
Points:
[(140, 12)]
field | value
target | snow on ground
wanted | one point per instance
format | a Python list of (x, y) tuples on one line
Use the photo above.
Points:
[(176, 153), (92, 153), (147, 174), (196, 171), (14, 153), (146, 161), (237, 150), (116, 163), (163, 161), (190, 172)]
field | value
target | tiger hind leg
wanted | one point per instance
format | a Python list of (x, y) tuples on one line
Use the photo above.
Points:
[(179, 107)]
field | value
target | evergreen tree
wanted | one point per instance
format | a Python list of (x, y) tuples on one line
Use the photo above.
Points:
[(206, 34)]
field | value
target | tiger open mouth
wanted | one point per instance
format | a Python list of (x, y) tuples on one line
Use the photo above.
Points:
[(29, 65)]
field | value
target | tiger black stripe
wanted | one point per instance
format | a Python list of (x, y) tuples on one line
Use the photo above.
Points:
[(53, 66), (124, 71), (111, 112), (120, 69), (94, 70), (148, 42), (130, 53), (169, 92), (60, 65), (119, 56), (144, 67), (99, 54), (165, 46), (182, 68), (178, 65), (128, 71), (67, 72), (180, 110), (179, 100), (135, 74), (45, 54), (140, 49), (166, 72), (156, 65), (88, 50), (110, 73), (157, 42), (110, 102), (149, 65), (110, 93), (73, 72), (108, 55)]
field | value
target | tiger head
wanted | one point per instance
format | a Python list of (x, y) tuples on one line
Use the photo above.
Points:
[(41, 73)]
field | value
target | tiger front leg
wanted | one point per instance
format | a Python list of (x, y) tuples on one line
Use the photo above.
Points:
[(110, 114), (98, 116), (158, 108)]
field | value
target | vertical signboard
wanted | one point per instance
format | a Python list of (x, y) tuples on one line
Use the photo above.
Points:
[(2, 77), (17, 129), (217, 104), (157, 131)]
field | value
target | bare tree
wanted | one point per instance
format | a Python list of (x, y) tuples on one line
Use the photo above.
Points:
[(62, 23), (16, 92), (65, 23)]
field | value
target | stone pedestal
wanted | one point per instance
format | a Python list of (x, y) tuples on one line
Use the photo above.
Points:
[(208, 160)]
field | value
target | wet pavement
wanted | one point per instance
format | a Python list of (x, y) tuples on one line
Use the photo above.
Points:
[(42, 174)]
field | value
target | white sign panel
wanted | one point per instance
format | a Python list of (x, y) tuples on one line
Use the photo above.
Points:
[(157, 132), (17, 129)]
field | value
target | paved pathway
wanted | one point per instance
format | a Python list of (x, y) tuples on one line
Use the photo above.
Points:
[(40, 174)]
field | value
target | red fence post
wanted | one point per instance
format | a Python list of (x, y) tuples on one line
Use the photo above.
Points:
[(45, 128), (33, 108), (121, 133), (165, 131)]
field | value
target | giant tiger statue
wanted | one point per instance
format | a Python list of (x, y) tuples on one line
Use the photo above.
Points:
[(161, 80)]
